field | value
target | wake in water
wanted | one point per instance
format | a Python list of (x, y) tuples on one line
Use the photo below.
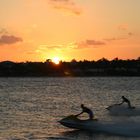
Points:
[(123, 110), (129, 129)]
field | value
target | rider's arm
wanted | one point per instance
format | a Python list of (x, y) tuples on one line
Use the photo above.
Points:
[(79, 114), (121, 102)]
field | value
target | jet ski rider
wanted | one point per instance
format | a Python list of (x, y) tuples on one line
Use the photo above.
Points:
[(125, 100), (86, 110)]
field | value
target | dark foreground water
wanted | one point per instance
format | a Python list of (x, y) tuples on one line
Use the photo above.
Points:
[(31, 107)]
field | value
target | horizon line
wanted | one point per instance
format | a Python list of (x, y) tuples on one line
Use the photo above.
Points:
[(72, 60)]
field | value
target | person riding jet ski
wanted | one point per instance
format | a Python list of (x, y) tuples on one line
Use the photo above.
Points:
[(125, 100), (86, 110)]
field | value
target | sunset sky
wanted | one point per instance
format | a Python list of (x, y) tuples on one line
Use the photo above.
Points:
[(36, 30)]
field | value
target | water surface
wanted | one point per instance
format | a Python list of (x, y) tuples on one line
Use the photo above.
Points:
[(31, 107)]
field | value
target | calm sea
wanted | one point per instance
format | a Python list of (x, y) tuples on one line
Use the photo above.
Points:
[(31, 107)]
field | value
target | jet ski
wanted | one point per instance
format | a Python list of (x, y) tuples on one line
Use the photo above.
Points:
[(73, 122), (123, 110), (114, 128)]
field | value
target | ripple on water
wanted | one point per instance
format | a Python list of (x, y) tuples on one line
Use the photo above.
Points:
[(31, 107)]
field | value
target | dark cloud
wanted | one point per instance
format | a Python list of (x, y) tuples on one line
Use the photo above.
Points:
[(89, 44), (125, 27), (94, 42), (9, 39), (119, 38), (66, 5), (130, 34)]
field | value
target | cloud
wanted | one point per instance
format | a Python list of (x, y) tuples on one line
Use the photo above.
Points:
[(9, 39), (50, 46), (94, 42), (130, 34), (44, 47), (114, 39), (123, 27), (3, 31), (63, 1), (89, 44), (70, 46), (66, 6)]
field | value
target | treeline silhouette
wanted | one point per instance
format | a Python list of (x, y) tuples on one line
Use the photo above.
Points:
[(102, 67)]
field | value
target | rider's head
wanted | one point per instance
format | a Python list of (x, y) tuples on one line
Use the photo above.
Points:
[(123, 97), (82, 105)]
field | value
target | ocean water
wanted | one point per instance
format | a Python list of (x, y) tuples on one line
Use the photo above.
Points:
[(30, 108)]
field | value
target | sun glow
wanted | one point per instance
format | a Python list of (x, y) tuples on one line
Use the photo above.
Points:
[(56, 60)]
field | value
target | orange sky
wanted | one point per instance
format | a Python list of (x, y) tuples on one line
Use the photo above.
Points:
[(36, 30)]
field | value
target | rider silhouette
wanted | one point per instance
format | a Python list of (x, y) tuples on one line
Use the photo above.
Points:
[(86, 110), (125, 100)]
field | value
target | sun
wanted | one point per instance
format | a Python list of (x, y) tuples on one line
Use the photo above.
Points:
[(56, 60)]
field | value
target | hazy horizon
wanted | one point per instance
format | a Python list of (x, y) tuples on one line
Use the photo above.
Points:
[(70, 60)]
